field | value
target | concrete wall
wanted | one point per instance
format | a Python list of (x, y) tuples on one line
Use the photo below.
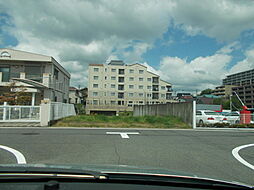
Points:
[(183, 110)]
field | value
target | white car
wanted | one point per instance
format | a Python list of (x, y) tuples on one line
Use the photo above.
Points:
[(232, 117), (209, 117)]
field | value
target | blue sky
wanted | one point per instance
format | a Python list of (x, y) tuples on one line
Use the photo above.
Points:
[(190, 45)]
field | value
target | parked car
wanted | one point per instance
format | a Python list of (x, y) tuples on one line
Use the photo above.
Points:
[(208, 117), (232, 117)]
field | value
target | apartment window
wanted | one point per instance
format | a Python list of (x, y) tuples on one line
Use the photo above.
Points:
[(155, 79), (113, 78), (95, 93), (105, 78), (131, 86), (120, 79), (95, 102), (96, 69), (113, 102), (113, 70), (163, 87), (140, 94), (120, 87), (130, 102), (131, 79), (149, 79), (149, 87), (113, 85), (56, 72), (140, 102), (105, 85), (141, 71), (141, 79), (131, 71), (95, 77), (131, 94), (120, 95), (5, 73), (105, 69), (112, 93), (140, 86), (148, 95), (35, 73), (163, 95), (121, 71), (95, 85)]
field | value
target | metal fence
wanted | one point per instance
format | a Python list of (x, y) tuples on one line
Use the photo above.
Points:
[(59, 110), (10, 113)]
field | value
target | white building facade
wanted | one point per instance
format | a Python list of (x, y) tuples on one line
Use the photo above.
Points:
[(118, 87), (42, 76)]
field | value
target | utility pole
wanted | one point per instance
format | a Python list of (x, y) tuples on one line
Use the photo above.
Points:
[(230, 101)]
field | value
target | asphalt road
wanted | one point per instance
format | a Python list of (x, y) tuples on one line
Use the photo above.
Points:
[(203, 153)]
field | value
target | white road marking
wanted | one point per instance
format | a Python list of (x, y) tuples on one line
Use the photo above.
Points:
[(19, 156), (124, 135), (239, 158)]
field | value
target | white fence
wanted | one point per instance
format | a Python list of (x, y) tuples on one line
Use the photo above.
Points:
[(19, 113), (42, 114), (60, 110)]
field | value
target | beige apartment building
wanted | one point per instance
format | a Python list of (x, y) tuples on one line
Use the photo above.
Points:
[(117, 87), (223, 90), (41, 76)]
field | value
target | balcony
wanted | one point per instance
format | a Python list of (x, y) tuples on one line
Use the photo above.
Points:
[(121, 95), (155, 80), (120, 79), (169, 89), (120, 87), (121, 71), (155, 87), (155, 96), (168, 96)]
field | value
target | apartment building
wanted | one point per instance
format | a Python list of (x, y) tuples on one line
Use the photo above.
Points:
[(244, 86), (223, 90), (246, 94), (117, 87), (42, 76), (240, 79)]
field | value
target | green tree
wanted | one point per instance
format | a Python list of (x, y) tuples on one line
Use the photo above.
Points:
[(206, 91)]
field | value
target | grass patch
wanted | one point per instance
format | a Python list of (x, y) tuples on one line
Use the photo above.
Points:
[(121, 121)]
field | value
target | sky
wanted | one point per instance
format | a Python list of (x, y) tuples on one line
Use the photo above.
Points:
[(193, 44)]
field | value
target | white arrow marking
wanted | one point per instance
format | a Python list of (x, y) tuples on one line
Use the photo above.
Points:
[(124, 135), (239, 158), (19, 156)]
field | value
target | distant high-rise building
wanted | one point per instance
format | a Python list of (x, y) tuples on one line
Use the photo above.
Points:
[(117, 87), (240, 79), (244, 86)]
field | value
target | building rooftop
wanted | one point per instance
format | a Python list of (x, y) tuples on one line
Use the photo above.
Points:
[(116, 62)]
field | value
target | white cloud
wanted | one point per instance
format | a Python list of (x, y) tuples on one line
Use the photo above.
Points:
[(86, 32), (79, 32), (200, 73), (246, 64), (223, 19), (230, 48)]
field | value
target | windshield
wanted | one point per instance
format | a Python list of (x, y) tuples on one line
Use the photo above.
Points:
[(129, 83)]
